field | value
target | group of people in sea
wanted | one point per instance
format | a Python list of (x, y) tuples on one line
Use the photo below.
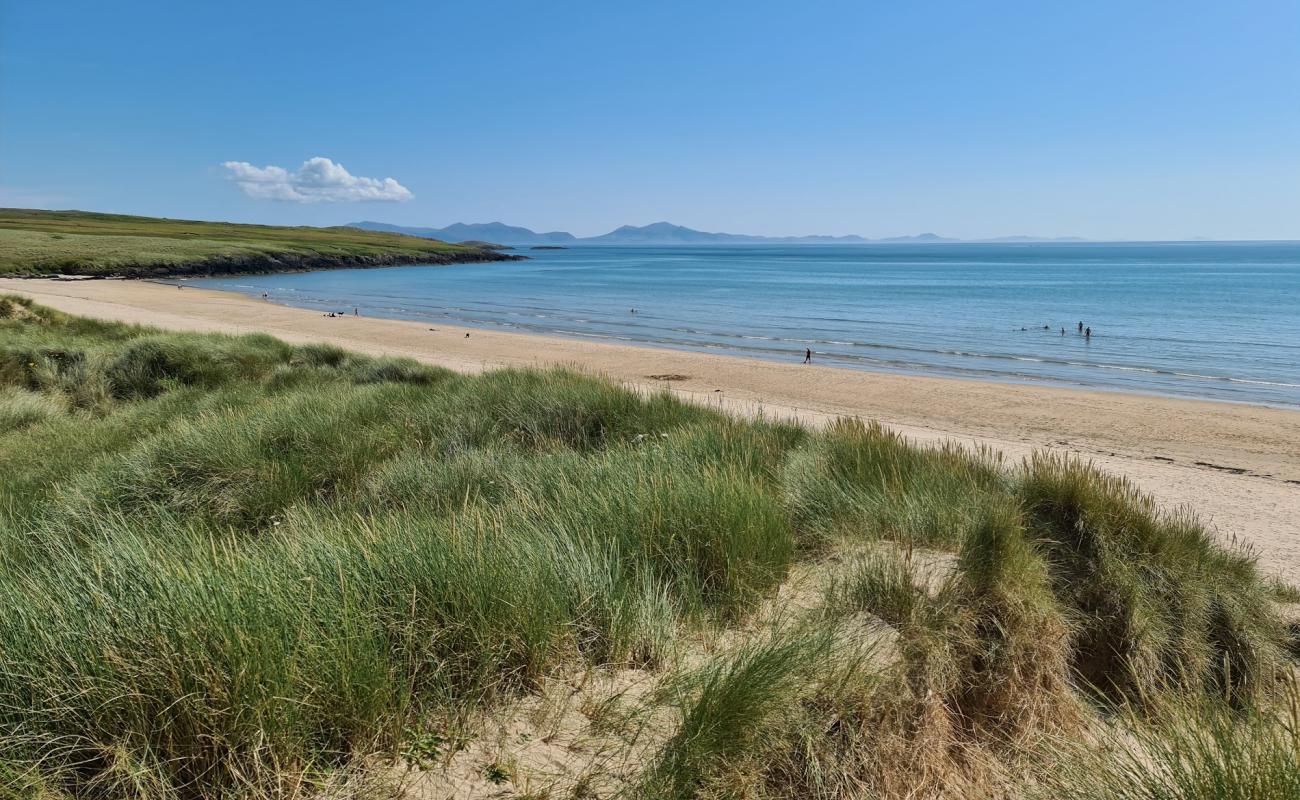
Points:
[(1086, 331), (807, 353)]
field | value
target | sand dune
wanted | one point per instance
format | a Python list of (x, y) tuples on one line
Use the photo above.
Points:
[(1237, 465)]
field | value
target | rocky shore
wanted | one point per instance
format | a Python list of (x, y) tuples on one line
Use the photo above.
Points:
[(268, 263)]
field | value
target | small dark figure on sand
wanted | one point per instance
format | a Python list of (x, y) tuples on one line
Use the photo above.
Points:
[(807, 355), (467, 336), (354, 313)]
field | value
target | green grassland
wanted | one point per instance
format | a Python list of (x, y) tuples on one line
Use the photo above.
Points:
[(82, 243), (235, 567)]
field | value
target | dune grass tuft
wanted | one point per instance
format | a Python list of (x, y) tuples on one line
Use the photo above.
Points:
[(1157, 603), (858, 480)]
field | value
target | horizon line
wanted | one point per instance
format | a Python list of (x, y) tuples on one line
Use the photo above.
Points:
[(893, 239)]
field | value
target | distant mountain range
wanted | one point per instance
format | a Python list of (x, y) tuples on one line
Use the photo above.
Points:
[(667, 233), (655, 233), (496, 232)]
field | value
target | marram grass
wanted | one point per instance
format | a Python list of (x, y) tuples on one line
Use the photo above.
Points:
[(230, 566)]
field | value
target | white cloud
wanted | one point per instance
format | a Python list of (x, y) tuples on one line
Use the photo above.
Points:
[(318, 180)]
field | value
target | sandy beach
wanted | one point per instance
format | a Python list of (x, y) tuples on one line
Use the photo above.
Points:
[(1238, 466)]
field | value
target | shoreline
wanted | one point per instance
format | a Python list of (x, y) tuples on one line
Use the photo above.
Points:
[(832, 361), (896, 314), (1236, 464)]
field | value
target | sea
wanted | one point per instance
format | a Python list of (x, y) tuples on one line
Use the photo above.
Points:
[(1205, 320)]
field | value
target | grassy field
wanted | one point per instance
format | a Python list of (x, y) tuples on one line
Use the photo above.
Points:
[(82, 243), (234, 567)]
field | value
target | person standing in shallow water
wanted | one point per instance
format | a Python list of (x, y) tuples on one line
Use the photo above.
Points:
[(1087, 333), (807, 355), (1080, 326)]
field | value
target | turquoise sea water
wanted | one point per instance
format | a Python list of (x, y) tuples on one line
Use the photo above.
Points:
[(1207, 320)]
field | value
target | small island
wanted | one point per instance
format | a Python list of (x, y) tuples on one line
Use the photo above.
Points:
[(36, 243)]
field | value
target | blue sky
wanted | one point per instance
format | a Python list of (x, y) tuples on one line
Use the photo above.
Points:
[(1102, 119)]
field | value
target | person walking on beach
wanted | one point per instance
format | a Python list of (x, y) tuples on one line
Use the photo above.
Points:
[(807, 355)]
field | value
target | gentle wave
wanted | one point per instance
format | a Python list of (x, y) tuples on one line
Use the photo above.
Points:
[(894, 363)]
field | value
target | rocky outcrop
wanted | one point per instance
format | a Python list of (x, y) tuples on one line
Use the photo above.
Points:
[(267, 263)]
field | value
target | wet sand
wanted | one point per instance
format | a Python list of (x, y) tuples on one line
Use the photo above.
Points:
[(1237, 465)]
